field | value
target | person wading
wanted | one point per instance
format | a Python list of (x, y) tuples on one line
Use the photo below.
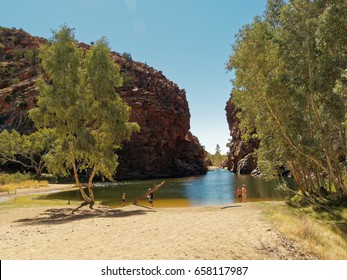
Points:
[(244, 192)]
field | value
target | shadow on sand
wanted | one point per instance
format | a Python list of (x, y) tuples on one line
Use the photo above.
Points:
[(232, 206), (66, 215)]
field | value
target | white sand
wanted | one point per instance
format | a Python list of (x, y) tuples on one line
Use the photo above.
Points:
[(138, 232)]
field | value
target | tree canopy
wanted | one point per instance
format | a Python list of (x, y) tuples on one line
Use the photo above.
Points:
[(290, 83), (78, 99), (26, 150)]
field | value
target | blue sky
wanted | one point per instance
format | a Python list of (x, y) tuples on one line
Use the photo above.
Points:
[(189, 40)]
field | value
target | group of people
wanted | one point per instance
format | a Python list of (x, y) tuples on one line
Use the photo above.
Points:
[(241, 193)]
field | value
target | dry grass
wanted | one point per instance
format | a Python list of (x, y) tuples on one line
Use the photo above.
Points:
[(12, 187), (321, 236), (12, 182)]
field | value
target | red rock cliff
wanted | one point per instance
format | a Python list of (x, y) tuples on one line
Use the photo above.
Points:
[(163, 147), (241, 158)]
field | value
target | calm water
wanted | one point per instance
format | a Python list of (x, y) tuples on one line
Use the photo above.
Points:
[(215, 188)]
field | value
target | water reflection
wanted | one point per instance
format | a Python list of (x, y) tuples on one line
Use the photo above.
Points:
[(215, 188)]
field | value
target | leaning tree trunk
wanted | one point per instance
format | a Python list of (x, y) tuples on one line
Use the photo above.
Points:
[(84, 195), (90, 186)]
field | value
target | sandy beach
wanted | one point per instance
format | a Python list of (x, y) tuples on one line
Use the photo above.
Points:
[(140, 232)]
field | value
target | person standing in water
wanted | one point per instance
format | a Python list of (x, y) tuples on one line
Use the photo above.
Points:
[(244, 192), (150, 197), (239, 194), (123, 199)]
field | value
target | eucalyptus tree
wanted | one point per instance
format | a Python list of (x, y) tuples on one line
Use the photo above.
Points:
[(27, 151), (78, 98), (289, 84), (315, 56)]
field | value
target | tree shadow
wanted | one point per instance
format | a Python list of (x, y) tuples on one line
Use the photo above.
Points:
[(144, 206), (232, 206), (66, 215), (343, 227)]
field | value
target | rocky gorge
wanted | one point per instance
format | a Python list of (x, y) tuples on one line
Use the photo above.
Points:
[(164, 147)]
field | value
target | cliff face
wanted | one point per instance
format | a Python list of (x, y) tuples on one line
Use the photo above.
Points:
[(241, 158), (163, 147)]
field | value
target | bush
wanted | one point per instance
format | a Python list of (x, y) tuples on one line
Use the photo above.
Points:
[(18, 53), (12, 182), (8, 98), (32, 56), (14, 178), (22, 104), (297, 201), (127, 79), (130, 66), (127, 56), (15, 81)]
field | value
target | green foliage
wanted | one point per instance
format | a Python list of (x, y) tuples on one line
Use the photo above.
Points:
[(127, 56), (32, 55), (18, 53), (15, 81), (26, 150), (217, 159), (80, 102), (218, 150), (8, 98), (14, 178), (127, 79), (13, 182), (290, 84), (22, 104)]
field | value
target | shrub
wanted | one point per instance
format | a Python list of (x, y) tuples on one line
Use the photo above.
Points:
[(127, 56), (127, 79), (22, 104), (12, 182), (15, 81), (8, 98), (14, 178)]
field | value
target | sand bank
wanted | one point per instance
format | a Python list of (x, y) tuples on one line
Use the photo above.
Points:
[(139, 232), (28, 191)]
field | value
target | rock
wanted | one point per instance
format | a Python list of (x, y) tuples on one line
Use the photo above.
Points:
[(208, 162), (247, 164), (256, 172), (239, 159), (164, 147)]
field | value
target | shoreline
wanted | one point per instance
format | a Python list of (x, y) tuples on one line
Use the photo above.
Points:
[(32, 191), (212, 168)]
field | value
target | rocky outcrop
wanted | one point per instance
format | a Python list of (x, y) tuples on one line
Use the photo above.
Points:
[(163, 147), (166, 146), (241, 158)]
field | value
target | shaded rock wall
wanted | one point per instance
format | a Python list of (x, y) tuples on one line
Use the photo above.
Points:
[(241, 158), (163, 147)]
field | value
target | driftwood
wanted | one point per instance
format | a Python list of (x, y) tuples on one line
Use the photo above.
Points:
[(152, 190)]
